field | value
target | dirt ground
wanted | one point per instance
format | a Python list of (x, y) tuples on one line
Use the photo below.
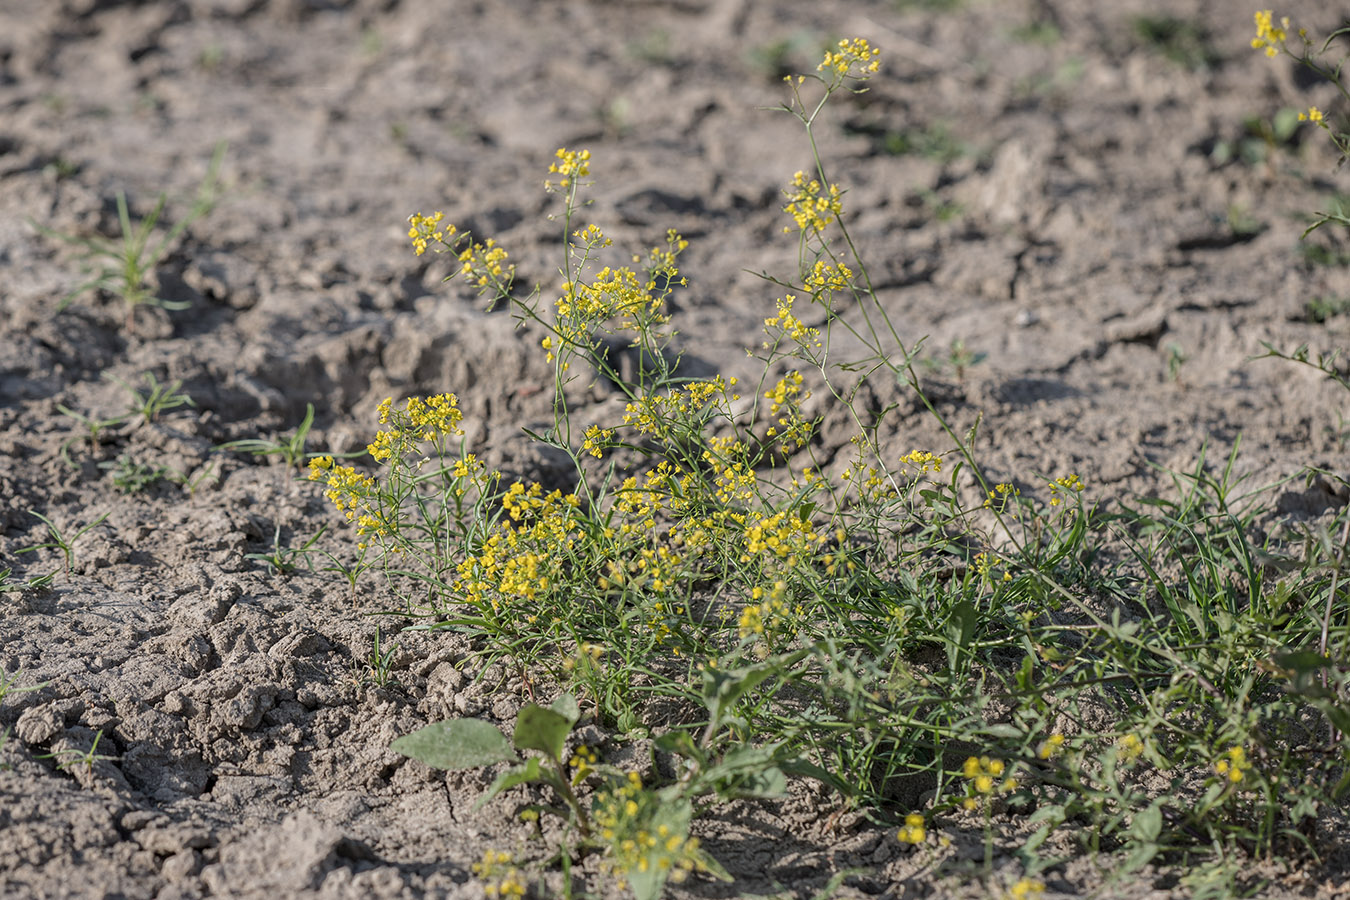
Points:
[(1033, 178)]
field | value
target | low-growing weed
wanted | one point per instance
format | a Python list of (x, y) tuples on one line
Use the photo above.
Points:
[(8, 586), (286, 561), (7, 682), (130, 476), (71, 757), (154, 399), (93, 432), (1261, 141), (958, 360), (1182, 41), (1322, 309), (379, 669), (124, 267), (59, 539), (762, 611), (289, 449)]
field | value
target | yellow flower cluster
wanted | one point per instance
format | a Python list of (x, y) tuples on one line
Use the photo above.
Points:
[(735, 481), (1269, 36), (421, 419), (519, 564), (519, 501), (626, 819), (428, 417), (913, 831), (1131, 747), (811, 209), (1313, 115), (655, 414), (425, 229), (1000, 495), (788, 391), (571, 165), (583, 760), (828, 277), (501, 879), (1051, 747), (850, 54), (1061, 487), (353, 493), (482, 264), (786, 325), (1234, 765), (922, 462), (612, 294), (768, 614), (984, 775), (590, 237), (663, 261), (596, 440)]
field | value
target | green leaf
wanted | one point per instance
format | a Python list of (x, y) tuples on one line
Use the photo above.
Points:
[(1147, 825), (1139, 857), (545, 730), (457, 744), (960, 629), (523, 774), (566, 706), (722, 690)]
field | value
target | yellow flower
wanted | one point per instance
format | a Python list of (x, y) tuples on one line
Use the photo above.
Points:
[(809, 208), (571, 165), (1027, 887), (1051, 747), (1234, 765), (913, 831), (1312, 115), (1268, 36), (425, 229), (1130, 747), (850, 54), (1070, 483)]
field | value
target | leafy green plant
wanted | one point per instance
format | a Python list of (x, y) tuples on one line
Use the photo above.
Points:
[(59, 540), (155, 399), (124, 267), (644, 834), (379, 663), (1176, 358), (130, 476), (10, 587), (285, 561), (1322, 309), (763, 609), (1261, 141), (958, 360)]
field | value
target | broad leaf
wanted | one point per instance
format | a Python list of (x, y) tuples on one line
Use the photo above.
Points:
[(542, 729), (456, 744)]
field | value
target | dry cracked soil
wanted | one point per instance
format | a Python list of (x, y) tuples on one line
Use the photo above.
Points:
[(1078, 205)]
